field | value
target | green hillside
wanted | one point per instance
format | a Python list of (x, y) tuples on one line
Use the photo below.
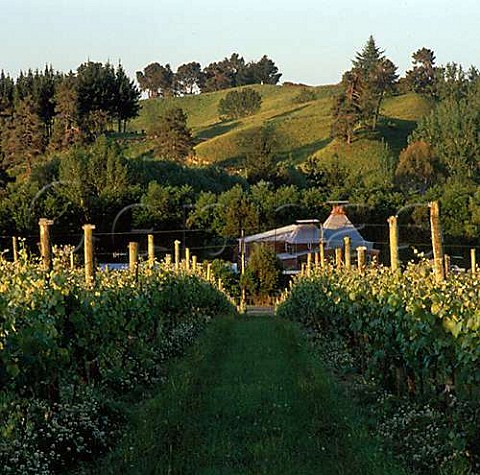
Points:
[(302, 128)]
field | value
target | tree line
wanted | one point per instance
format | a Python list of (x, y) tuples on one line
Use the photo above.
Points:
[(442, 156), (47, 110), (159, 80)]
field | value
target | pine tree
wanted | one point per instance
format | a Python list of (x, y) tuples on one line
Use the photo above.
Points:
[(126, 104), (171, 136), (66, 129), (23, 140), (363, 89)]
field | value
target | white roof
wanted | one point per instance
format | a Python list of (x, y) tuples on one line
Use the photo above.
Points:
[(333, 230)]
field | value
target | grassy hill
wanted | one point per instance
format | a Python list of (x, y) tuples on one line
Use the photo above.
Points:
[(302, 127)]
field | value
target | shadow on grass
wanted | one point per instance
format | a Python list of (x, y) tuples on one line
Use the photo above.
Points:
[(395, 132), (300, 154), (289, 112), (216, 129)]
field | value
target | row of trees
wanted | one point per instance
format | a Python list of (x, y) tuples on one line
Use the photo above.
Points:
[(49, 110), (160, 80)]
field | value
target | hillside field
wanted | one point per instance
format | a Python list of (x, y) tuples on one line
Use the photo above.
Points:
[(301, 117)]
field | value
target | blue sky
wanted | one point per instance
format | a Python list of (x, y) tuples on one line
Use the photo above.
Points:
[(311, 41)]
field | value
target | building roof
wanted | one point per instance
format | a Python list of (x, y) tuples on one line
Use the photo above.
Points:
[(333, 230)]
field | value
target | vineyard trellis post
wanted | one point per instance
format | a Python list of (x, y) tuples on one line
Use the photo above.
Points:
[(348, 257), (133, 257), (45, 248), (177, 255), (361, 258), (393, 229), (194, 264), (338, 257), (151, 250), (473, 261), (187, 259), (15, 248), (209, 271), (243, 297), (322, 254), (447, 264), (88, 248), (309, 264), (437, 241)]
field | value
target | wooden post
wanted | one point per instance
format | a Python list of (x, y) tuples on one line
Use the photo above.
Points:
[(447, 264), (317, 261), (302, 270), (187, 259), (194, 264), (88, 248), (348, 258), (309, 264), (322, 254), (168, 260), (151, 250), (177, 255), (15, 249), (209, 271), (436, 241), (243, 297), (361, 258), (45, 249), (132, 257), (473, 261), (393, 227), (338, 257)]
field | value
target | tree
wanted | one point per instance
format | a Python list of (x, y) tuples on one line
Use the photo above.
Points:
[(265, 71), (417, 167), (104, 95), (96, 180), (189, 78), (263, 273), (95, 87), (162, 206), (372, 76), (66, 128), (347, 108), (7, 91), (156, 80), (452, 130), (171, 136), (260, 157), (127, 95), (218, 76), (235, 212), (421, 78), (24, 139), (237, 104), (44, 85)]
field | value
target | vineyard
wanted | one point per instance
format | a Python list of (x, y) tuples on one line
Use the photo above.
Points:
[(74, 353), (414, 337), (80, 348)]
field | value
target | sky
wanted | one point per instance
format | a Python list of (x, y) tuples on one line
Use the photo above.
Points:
[(311, 41)]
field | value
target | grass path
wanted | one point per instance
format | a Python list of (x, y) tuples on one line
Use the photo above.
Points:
[(250, 399)]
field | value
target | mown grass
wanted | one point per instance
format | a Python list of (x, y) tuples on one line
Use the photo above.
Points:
[(251, 398)]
